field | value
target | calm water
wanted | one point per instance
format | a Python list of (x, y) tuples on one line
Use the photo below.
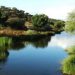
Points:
[(34, 55)]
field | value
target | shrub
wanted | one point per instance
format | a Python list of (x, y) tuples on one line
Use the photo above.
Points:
[(16, 23), (68, 65), (40, 20)]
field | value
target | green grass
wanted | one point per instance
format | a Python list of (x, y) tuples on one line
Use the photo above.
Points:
[(30, 32), (68, 65), (4, 43), (34, 32)]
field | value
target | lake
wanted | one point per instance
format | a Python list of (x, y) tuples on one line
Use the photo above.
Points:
[(34, 55)]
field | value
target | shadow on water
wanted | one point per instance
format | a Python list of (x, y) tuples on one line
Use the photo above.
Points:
[(16, 43), (36, 41)]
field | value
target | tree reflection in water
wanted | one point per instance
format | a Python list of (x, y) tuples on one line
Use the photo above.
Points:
[(36, 41), (3, 58), (16, 43)]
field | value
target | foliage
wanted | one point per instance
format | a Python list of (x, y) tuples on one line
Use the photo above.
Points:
[(17, 19), (71, 50), (30, 32), (40, 20), (16, 23), (28, 17), (70, 23), (13, 17), (4, 43), (68, 65), (56, 25), (59, 24), (0, 14)]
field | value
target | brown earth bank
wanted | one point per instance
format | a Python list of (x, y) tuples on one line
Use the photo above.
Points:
[(13, 32)]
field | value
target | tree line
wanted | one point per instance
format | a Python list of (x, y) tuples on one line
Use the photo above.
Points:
[(17, 19)]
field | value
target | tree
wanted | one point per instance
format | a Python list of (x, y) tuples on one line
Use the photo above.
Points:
[(40, 20), (16, 23), (0, 14), (59, 25), (70, 23)]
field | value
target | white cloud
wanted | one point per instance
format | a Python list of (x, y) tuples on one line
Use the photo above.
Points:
[(57, 12)]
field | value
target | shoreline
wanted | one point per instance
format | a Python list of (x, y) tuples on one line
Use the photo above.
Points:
[(12, 32)]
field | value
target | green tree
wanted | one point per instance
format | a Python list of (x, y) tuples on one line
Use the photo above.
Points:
[(16, 23), (0, 17), (40, 20), (70, 23), (59, 25), (0, 14)]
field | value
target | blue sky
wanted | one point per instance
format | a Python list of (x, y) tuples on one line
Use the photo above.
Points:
[(53, 8)]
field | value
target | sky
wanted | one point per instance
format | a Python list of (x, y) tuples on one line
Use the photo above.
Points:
[(57, 9)]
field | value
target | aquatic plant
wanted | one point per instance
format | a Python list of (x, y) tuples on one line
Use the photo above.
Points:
[(4, 43)]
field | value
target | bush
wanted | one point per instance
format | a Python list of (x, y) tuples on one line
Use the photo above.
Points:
[(40, 20), (16, 23), (59, 24), (0, 14), (68, 65)]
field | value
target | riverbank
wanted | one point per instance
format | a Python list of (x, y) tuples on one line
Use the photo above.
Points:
[(13, 32)]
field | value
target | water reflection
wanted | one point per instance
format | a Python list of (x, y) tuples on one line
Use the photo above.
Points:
[(16, 43), (63, 40), (3, 56), (38, 41)]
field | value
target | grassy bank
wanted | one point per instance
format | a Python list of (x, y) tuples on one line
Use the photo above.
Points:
[(12, 32)]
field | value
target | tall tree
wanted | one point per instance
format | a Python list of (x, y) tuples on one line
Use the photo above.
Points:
[(70, 23)]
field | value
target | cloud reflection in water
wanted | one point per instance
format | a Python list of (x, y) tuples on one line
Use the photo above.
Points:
[(64, 40)]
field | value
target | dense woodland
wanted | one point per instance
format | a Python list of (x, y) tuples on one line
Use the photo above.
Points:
[(13, 18)]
